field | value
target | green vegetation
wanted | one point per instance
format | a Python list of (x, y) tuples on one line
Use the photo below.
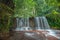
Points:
[(5, 17), (54, 19), (24, 8), (30, 8)]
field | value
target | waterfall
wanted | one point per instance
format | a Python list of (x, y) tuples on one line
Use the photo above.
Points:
[(46, 23), (39, 22), (22, 24)]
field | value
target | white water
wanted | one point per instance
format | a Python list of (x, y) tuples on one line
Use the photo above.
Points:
[(41, 23), (24, 24)]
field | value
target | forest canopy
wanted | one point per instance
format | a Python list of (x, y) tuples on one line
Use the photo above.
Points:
[(29, 8)]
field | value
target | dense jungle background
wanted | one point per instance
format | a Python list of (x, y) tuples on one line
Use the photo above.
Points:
[(10, 9)]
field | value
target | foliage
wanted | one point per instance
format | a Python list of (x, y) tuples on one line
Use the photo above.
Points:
[(24, 8), (44, 7), (54, 19), (5, 17), (29, 8)]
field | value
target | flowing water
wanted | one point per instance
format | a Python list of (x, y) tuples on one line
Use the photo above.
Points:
[(39, 22)]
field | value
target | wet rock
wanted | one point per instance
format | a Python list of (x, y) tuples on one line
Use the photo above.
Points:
[(22, 36)]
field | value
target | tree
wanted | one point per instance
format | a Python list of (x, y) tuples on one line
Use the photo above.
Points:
[(24, 8), (44, 7), (6, 13), (53, 17)]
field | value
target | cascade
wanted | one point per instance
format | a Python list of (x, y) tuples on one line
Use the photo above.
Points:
[(39, 22)]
